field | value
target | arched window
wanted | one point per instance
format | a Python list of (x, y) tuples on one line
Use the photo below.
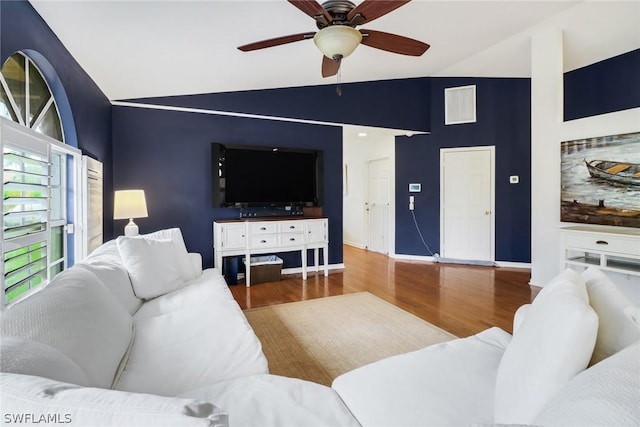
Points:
[(25, 97), (34, 185)]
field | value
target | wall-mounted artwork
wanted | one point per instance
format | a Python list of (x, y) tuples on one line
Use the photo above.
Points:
[(600, 180)]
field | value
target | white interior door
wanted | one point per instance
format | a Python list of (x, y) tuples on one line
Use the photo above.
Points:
[(377, 205), (467, 203)]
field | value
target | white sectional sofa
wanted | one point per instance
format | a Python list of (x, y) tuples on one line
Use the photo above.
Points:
[(115, 339), (573, 360), (139, 334)]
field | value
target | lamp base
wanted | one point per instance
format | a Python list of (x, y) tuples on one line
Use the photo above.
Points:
[(131, 229)]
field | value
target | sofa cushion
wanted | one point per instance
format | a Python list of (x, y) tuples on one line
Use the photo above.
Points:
[(151, 265), (187, 269), (190, 338), (554, 343), (33, 400), (78, 316), (275, 401), (606, 394), (105, 262), (619, 322), (23, 356), (450, 383)]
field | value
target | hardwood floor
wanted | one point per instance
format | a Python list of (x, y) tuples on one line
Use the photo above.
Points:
[(463, 300)]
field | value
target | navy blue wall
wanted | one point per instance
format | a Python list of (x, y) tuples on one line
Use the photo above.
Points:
[(24, 30), (603, 87), (503, 120), (168, 154), (397, 104)]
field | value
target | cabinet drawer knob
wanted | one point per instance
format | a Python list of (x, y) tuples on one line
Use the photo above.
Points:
[(292, 227), (263, 241), (292, 239), (602, 242), (263, 228)]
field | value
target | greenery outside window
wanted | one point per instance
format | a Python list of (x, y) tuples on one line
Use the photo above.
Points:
[(34, 180)]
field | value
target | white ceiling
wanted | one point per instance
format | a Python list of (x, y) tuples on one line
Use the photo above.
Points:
[(149, 48)]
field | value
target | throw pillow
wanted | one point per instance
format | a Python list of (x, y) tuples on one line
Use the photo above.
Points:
[(23, 356), (187, 270), (554, 343), (617, 328), (519, 316), (78, 316), (34, 400), (151, 265)]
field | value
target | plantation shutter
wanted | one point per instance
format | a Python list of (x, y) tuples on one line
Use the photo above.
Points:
[(25, 205)]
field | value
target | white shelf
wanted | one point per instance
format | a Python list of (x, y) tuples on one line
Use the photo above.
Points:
[(610, 249)]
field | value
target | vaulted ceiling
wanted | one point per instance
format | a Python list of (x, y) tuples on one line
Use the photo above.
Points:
[(152, 48)]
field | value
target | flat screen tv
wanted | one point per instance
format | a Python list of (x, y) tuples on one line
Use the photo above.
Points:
[(250, 176)]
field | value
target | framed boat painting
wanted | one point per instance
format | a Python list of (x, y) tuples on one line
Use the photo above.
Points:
[(600, 180)]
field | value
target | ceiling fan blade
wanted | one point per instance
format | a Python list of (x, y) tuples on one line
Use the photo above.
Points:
[(313, 9), (393, 43), (373, 9), (276, 41), (330, 66)]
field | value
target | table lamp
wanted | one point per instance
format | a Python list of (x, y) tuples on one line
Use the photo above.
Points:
[(130, 204)]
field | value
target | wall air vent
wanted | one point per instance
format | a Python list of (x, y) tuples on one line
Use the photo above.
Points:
[(460, 105)]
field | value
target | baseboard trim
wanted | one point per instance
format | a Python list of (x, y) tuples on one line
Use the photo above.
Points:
[(298, 270), (508, 264), (412, 257), (310, 269), (355, 245)]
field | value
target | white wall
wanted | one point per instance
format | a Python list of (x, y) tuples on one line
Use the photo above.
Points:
[(357, 151), (551, 45)]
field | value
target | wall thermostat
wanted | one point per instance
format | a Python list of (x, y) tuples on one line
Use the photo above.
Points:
[(415, 188)]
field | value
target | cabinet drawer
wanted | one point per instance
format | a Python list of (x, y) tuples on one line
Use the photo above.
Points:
[(264, 241), (605, 243), (291, 226), (263, 227), (291, 239)]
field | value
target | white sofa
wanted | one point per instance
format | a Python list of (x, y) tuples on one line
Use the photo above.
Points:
[(573, 360), (139, 334)]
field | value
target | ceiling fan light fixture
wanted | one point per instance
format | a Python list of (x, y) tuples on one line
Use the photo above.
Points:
[(337, 41)]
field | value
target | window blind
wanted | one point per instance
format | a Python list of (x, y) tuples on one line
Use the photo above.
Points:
[(25, 188)]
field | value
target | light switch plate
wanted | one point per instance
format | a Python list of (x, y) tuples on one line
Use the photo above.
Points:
[(514, 179)]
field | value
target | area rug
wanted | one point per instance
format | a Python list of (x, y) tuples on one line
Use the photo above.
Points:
[(319, 339)]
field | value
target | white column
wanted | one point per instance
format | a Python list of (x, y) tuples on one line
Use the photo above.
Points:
[(546, 118)]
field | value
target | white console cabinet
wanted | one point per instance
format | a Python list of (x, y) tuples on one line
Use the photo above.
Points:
[(254, 237), (608, 248)]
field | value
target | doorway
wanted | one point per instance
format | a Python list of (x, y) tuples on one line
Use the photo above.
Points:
[(361, 145), (467, 188)]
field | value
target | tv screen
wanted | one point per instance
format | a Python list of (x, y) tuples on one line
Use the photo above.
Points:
[(266, 176)]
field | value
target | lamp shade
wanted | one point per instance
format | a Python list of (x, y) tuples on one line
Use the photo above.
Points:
[(337, 41), (129, 204)]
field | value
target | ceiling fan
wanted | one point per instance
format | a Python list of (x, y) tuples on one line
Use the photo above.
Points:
[(337, 37)]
